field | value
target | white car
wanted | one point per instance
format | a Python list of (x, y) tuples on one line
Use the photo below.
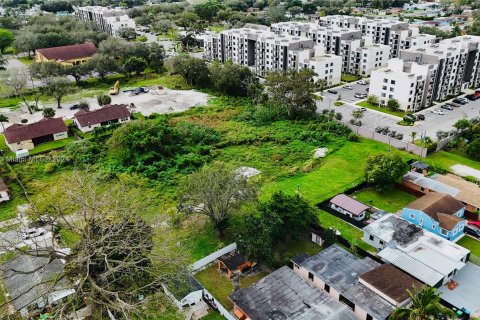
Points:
[(360, 95), (30, 233), (437, 111), (348, 87), (362, 82)]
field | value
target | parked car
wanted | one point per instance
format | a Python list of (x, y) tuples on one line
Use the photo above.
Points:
[(461, 101), (360, 95), (363, 109), (472, 230), (30, 233), (474, 223), (332, 91), (472, 97), (437, 111), (348, 87), (73, 107), (420, 116), (362, 82), (446, 106)]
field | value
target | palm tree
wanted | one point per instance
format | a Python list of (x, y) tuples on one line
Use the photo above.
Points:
[(413, 135), (3, 118), (425, 306)]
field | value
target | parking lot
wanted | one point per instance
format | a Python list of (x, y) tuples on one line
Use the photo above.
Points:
[(372, 119)]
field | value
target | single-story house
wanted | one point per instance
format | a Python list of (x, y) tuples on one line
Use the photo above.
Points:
[(233, 262), (283, 294), (67, 55), (421, 185), (336, 272), (437, 212), (468, 192), (349, 206), (87, 121), (28, 281), (27, 136), (4, 191), (424, 255)]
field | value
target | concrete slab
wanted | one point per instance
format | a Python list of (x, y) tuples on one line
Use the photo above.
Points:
[(467, 293)]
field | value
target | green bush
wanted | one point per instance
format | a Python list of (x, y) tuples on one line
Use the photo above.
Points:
[(352, 136), (338, 103)]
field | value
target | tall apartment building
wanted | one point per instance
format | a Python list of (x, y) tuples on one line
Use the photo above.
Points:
[(406, 82), (264, 51), (396, 34), (457, 63), (107, 20), (359, 56)]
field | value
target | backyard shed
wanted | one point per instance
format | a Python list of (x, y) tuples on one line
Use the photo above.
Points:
[(232, 262), (349, 206)]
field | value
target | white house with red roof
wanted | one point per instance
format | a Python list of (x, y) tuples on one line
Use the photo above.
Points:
[(87, 121)]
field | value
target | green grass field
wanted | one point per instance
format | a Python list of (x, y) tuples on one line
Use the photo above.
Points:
[(367, 105), (391, 200), (52, 145), (349, 77), (25, 60), (445, 159), (339, 171), (471, 244)]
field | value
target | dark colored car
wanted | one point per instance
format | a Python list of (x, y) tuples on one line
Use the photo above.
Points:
[(73, 107), (332, 91), (446, 107), (472, 97), (459, 101), (472, 230), (420, 117)]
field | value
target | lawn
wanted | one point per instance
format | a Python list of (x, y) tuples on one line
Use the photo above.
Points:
[(52, 145), (471, 244), (217, 284), (26, 60), (213, 315), (340, 171), (445, 159), (3, 146), (216, 28), (349, 77), (367, 105), (391, 200)]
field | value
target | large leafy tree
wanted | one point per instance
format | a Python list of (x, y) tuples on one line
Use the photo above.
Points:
[(383, 169), (59, 87), (425, 306), (294, 90), (216, 192), (195, 71), (134, 65), (207, 10), (231, 79), (6, 39)]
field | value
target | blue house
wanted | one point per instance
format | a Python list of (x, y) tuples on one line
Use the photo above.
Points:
[(437, 212)]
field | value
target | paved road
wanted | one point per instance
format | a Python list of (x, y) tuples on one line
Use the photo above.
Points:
[(373, 119)]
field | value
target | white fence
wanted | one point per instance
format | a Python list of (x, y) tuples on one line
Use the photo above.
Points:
[(221, 309), (212, 257), (398, 144)]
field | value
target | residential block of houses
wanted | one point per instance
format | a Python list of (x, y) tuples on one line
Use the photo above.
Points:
[(427, 257), (439, 213), (28, 136), (110, 114), (67, 55)]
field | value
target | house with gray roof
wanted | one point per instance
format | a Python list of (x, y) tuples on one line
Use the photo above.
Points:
[(337, 272), (283, 295), (31, 283)]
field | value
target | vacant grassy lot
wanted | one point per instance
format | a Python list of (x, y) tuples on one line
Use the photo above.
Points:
[(367, 105), (391, 200), (445, 159), (51, 145), (339, 171), (349, 77)]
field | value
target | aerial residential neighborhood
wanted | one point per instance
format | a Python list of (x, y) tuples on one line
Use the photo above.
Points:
[(236, 159)]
